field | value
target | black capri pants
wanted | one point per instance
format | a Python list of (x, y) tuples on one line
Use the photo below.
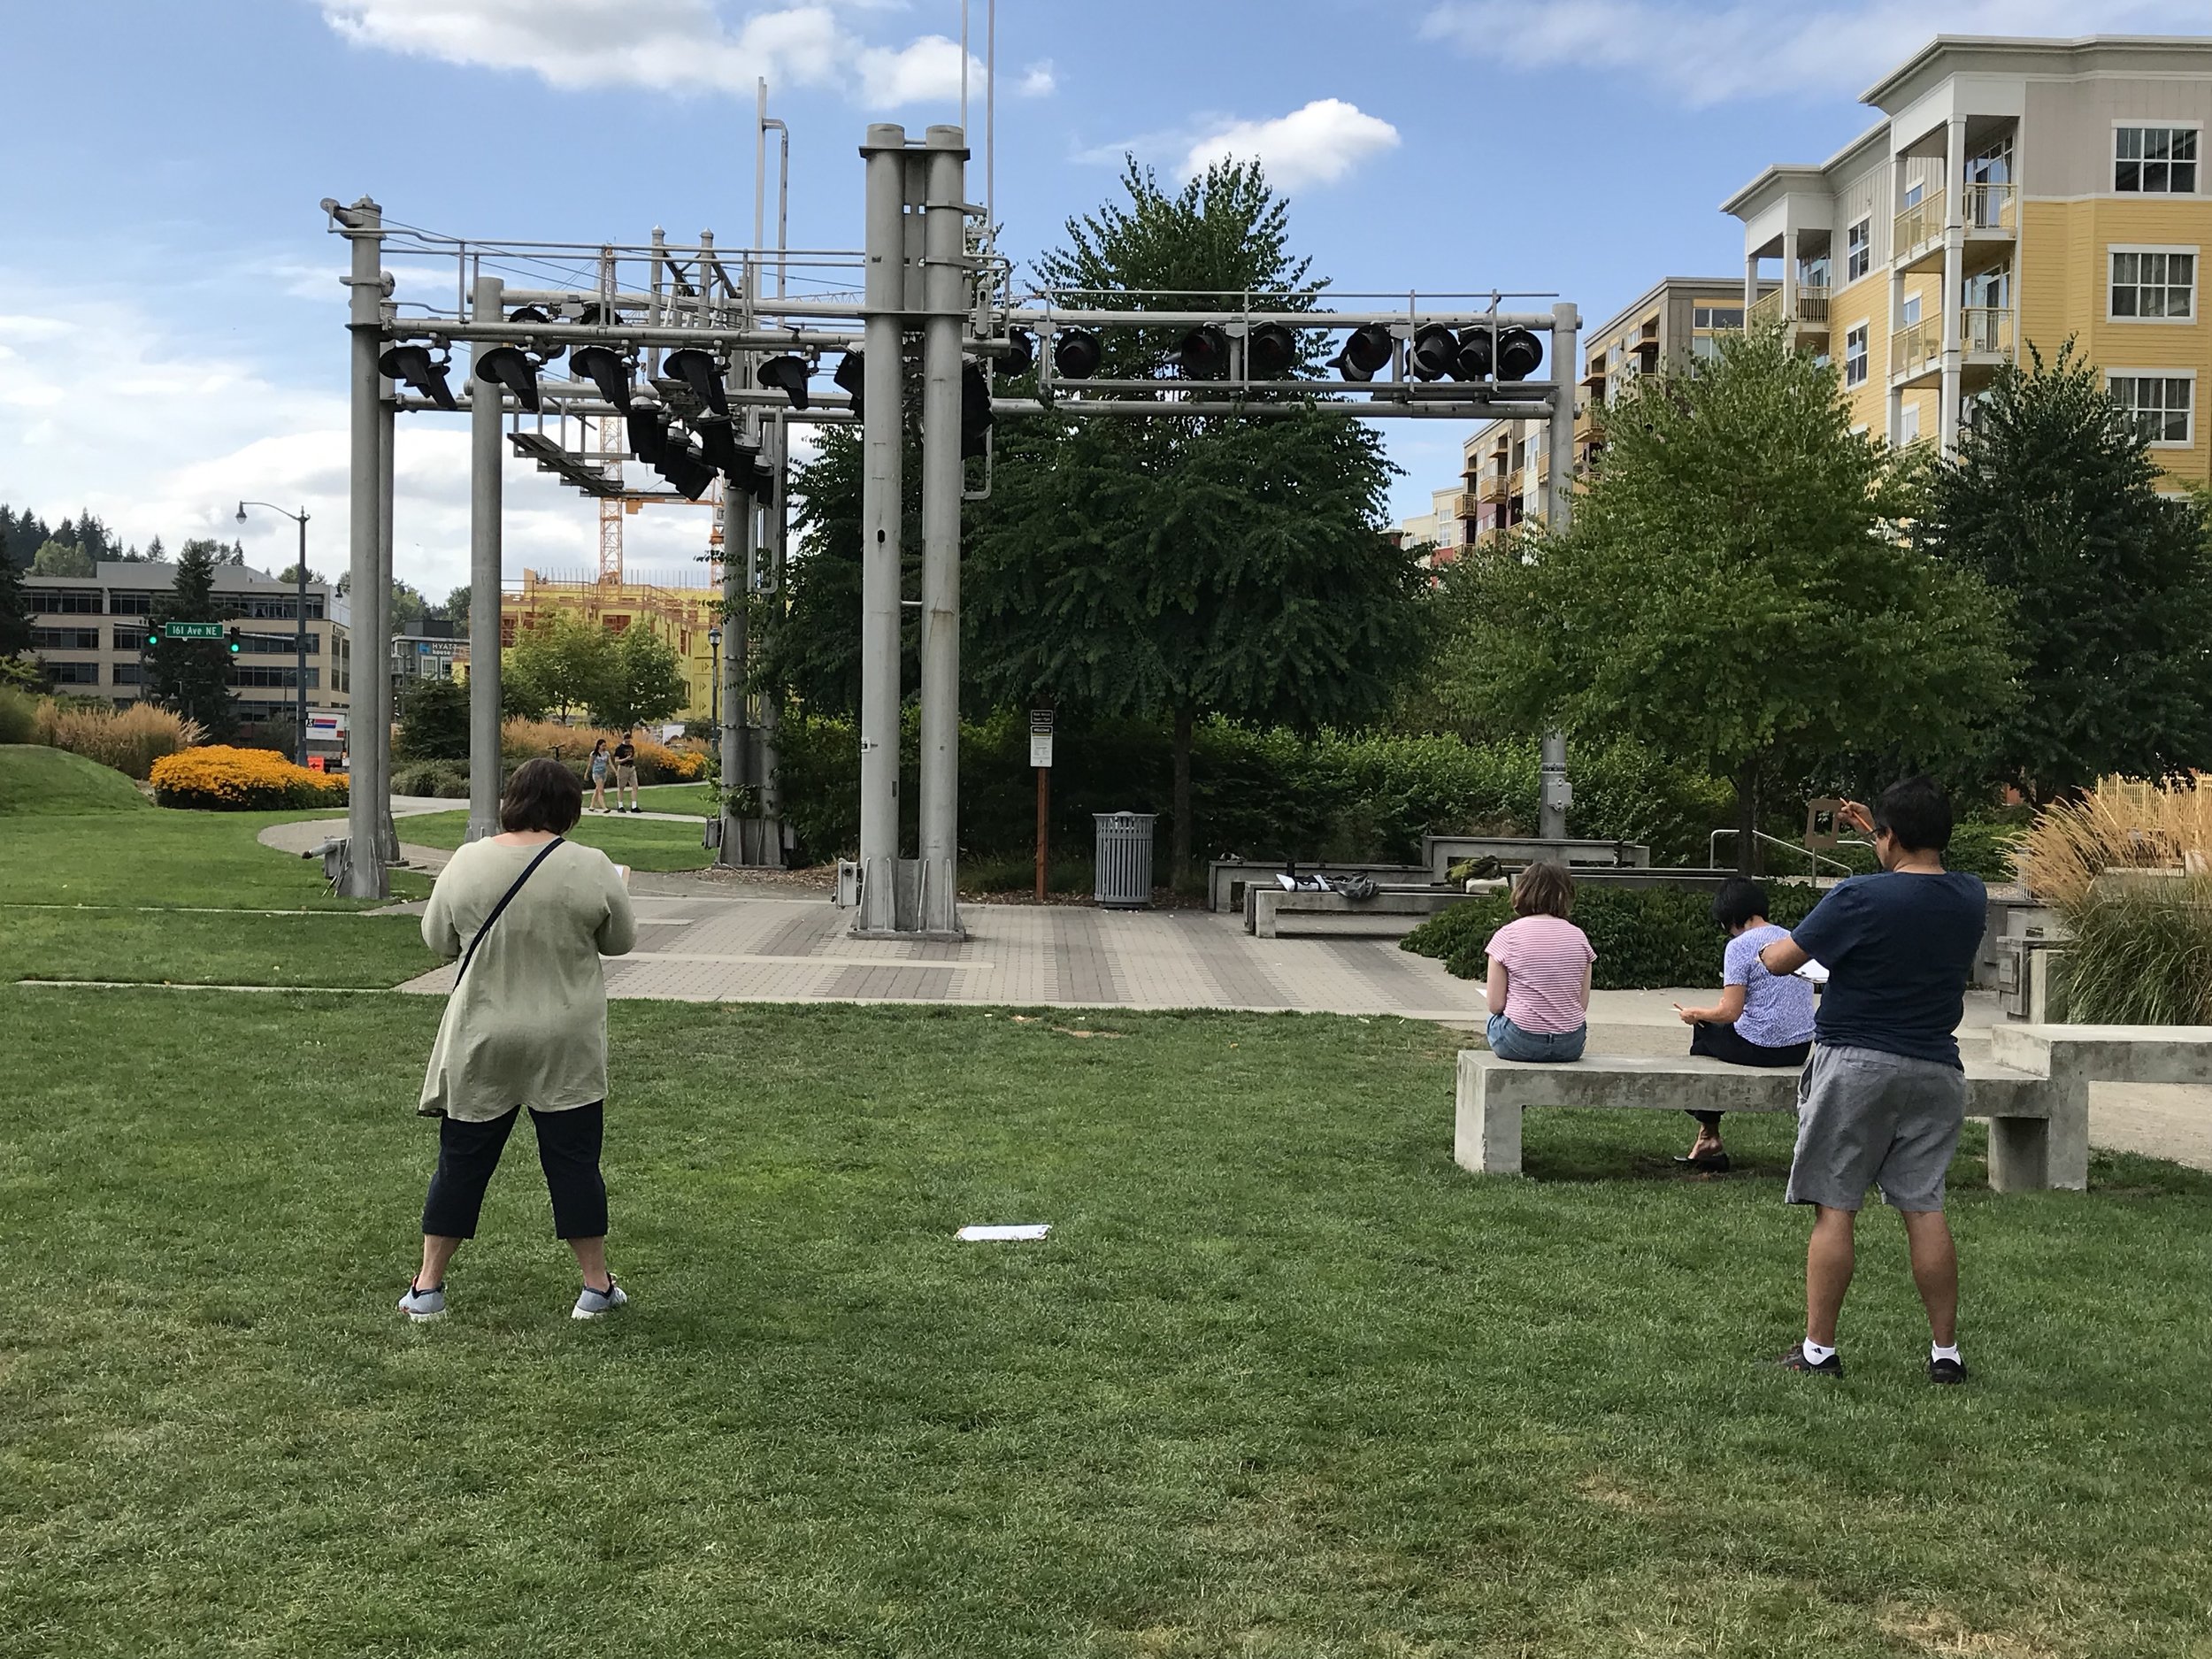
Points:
[(568, 1149), (1725, 1043)]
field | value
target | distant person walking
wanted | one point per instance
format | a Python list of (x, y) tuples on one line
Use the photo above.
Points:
[(626, 774), (1884, 1096), (529, 914), (1538, 990), (1762, 1018), (600, 764)]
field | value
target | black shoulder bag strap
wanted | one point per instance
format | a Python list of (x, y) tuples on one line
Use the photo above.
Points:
[(529, 870)]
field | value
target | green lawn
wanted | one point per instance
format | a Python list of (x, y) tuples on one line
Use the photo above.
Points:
[(115, 888), (678, 797), (1284, 1382), (643, 843)]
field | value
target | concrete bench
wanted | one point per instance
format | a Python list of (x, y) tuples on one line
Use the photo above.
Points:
[(1441, 852), (1229, 880), (2039, 1134), (1273, 912)]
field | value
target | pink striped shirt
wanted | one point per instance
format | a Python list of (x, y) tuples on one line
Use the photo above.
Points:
[(1544, 959)]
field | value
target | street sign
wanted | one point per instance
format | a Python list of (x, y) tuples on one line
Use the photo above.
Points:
[(192, 630), (1040, 737)]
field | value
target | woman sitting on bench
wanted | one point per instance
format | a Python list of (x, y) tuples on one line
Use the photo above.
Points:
[(1538, 991), (1761, 1019)]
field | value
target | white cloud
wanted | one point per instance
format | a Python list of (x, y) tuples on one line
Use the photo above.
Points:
[(1318, 144), (1704, 54), (1038, 80), (679, 45)]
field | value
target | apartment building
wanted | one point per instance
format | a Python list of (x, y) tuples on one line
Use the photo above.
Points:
[(2016, 193), (688, 618), (89, 632)]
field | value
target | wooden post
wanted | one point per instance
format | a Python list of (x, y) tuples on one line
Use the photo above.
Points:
[(1044, 805)]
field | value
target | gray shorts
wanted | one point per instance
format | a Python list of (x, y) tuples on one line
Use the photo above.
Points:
[(1866, 1117)]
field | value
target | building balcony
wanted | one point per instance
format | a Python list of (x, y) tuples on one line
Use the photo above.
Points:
[(1491, 488), (1810, 312), (1916, 234), (1463, 505), (1987, 213), (1991, 212), (1987, 340)]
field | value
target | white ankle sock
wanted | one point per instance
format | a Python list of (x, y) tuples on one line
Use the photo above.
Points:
[(1815, 1354), (1936, 1350)]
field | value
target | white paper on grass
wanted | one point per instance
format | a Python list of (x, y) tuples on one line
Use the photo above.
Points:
[(992, 1235)]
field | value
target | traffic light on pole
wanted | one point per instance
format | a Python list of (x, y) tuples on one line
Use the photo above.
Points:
[(1203, 354), (150, 633), (1270, 351), (975, 410), (852, 379), (235, 639), (1366, 353), (418, 369), (1435, 353), (607, 370), (699, 370), (511, 367), (1076, 353), (787, 375)]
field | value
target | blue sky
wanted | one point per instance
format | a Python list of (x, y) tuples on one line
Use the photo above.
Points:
[(172, 329)]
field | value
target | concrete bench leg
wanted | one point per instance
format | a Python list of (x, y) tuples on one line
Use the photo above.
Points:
[(2030, 1155), (1486, 1132)]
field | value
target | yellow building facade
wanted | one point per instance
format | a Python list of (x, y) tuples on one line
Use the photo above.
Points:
[(683, 617), (2016, 193)]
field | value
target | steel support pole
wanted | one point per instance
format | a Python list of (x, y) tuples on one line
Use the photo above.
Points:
[(736, 735), (378, 629), (884, 305), (299, 637), (363, 874), (945, 296), (775, 440), (1557, 794), (484, 510)]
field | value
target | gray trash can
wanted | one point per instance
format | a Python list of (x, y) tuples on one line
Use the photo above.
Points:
[(1123, 878)]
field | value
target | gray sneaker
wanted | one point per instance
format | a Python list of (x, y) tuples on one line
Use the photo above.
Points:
[(597, 1304), (422, 1306)]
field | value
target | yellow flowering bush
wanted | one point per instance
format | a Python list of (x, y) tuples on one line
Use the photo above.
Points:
[(217, 778)]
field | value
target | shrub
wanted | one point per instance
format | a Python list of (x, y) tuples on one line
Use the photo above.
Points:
[(1645, 937), (19, 717), (445, 779), (130, 740), (434, 721), (220, 778), (521, 740), (2125, 866)]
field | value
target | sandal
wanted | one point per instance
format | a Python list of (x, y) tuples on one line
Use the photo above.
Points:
[(1711, 1163)]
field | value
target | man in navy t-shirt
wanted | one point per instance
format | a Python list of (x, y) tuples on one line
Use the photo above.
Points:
[(1882, 1098)]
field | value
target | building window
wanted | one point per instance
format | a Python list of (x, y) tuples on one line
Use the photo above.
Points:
[(1855, 357), (1911, 314), (1907, 424), (2155, 160), (272, 644), (125, 604), (68, 601), (65, 639), (2148, 283), (269, 674), (2160, 404), (75, 674), (1716, 316), (129, 674), (1858, 256)]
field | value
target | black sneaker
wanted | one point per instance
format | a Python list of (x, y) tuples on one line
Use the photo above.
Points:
[(1794, 1359), (1949, 1371)]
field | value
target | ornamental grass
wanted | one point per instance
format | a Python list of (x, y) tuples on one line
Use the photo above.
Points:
[(2128, 868), (217, 778), (522, 740), (129, 739)]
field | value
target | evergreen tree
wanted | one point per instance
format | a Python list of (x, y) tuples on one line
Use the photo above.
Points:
[(1734, 593), (2052, 499), (192, 676), (15, 601)]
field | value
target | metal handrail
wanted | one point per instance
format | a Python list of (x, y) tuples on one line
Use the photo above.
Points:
[(1712, 850)]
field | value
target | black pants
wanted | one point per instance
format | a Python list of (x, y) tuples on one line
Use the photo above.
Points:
[(568, 1148), (1721, 1043)]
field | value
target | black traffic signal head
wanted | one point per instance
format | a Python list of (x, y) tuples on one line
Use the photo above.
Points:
[(975, 410), (787, 375), (852, 379), (231, 637), (151, 632), (666, 453), (1519, 354), (607, 370), (1203, 354), (1474, 355), (1366, 353), (414, 366), (535, 314), (699, 370), (1076, 353), (1270, 351), (1435, 352), (510, 366), (1020, 353), (717, 437)]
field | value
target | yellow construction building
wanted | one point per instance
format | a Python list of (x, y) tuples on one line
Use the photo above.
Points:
[(682, 616), (2016, 193)]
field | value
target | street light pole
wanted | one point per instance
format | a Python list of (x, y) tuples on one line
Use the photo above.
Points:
[(299, 625)]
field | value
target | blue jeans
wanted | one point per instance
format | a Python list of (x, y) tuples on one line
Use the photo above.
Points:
[(1508, 1041)]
